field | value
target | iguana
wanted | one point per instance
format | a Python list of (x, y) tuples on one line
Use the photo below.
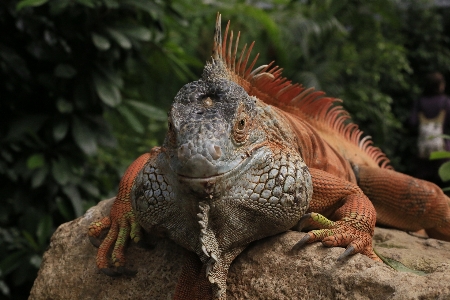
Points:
[(248, 155)]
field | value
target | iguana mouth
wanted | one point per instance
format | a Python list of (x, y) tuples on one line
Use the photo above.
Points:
[(207, 183)]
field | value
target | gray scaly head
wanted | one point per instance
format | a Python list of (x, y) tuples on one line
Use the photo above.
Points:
[(227, 173)]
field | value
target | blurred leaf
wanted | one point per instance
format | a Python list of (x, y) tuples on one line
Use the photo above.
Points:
[(63, 208), (444, 171), (131, 119), (100, 41), (88, 3), (44, 229), (60, 129), (111, 75), (61, 170), (15, 63), (108, 93), (120, 38), (35, 260), (31, 242), (57, 7), (4, 287), (440, 154), (90, 189), (27, 3), (25, 124), (10, 262), (137, 32), (65, 71), (83, 136), (148, 6), (64, 106), (35, 161), (74, 196), (148, 110), (39, 176), (111, 3)]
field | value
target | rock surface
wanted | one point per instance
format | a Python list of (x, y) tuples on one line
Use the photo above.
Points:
[(265, 270)]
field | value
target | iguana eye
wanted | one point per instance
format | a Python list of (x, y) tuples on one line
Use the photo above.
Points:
[(240, 129), (241, 124)]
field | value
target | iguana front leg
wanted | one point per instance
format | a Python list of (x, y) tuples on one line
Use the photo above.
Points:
[(121, 223), (344, 202)]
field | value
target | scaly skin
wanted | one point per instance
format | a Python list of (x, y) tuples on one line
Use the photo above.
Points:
[(249, 155)]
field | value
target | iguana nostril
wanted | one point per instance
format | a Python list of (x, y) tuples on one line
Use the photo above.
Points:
[(215, 151)]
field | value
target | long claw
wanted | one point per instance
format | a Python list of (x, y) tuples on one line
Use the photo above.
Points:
[(118, 271), (127, 271), (302, 242), (110, 272), (303, 222), (96, 242), (349, 251)]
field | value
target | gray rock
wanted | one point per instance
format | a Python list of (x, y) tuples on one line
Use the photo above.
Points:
[(265, 270)]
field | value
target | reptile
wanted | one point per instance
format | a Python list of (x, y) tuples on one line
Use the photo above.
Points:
[(249, 154)]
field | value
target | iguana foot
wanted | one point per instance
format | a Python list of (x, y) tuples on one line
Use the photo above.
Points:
[(121, 226), (336, 234), (97, 231), (120, 230)]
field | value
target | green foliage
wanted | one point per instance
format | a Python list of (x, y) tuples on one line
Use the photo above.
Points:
[(64, 66)]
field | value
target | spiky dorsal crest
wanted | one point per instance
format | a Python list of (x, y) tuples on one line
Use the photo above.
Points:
[(266, 83)]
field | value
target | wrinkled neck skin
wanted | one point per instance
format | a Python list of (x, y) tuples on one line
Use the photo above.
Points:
[(218, 183)]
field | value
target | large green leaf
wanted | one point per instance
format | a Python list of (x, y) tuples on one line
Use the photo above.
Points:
[(138, 32), (100, 41), (83, 136), (35, 161), (39, 176), (120, 38), (44, 229), (61, 170), (107, 92), (74, 196), (444, 171), (110, 75), (60, 129), (148, 110), (27, 3), (131, 119), (440, 154)]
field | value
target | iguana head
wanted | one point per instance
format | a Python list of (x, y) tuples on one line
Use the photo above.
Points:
[(210, 126), (213, 127)]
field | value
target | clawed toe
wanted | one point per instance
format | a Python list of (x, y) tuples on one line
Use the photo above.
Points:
[(349, 251), (95, 241), (301, 243)]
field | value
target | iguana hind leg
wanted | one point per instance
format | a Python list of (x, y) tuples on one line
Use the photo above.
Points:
[(352, 211), (405, 202)]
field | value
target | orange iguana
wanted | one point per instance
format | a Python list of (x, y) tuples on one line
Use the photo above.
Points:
[(247, 155)]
